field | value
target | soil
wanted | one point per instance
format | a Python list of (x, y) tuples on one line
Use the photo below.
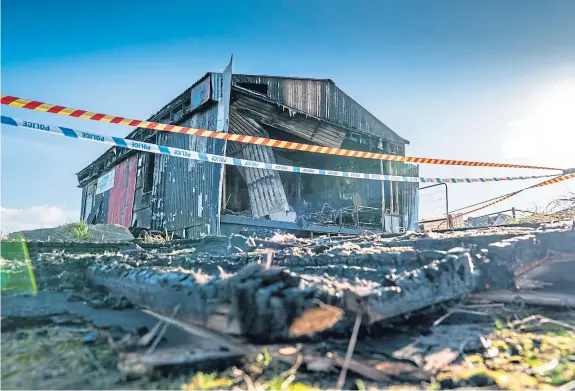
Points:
[(99, 233)]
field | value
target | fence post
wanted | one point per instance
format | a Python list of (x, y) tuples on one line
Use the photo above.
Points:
[(447, 206)]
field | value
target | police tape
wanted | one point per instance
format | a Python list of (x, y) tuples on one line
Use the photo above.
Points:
[(71, 112), (507, 196), (193, 155)]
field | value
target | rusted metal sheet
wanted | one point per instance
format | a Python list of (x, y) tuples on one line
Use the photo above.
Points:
[(121, 199), (320, 98)]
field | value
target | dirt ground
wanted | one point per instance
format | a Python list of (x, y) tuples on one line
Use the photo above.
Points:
[(519, 351), (66, 337)]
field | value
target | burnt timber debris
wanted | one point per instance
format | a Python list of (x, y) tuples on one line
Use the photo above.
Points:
[(386, 278), (192, 199), (231, 293)]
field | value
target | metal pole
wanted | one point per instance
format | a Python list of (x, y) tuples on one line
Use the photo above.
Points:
[(380, 147), (446, 206), (299, 201), (382, 198), (446, 199), (391, 203)]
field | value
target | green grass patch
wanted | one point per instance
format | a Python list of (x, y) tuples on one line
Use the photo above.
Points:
[(79, 230)]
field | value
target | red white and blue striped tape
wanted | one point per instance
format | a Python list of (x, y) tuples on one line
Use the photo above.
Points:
[(193, 155)]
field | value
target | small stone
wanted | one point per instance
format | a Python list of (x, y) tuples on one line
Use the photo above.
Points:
[(91, 337), (457, 250), (75, 297)]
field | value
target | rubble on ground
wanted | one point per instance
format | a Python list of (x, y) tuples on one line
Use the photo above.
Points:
[(308, 292)]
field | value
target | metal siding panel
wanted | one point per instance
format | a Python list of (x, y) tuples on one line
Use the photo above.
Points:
[(316, 131), (129, 194), (323, 99), (201, 93), (115, 200), (181, 187), (121, 199)]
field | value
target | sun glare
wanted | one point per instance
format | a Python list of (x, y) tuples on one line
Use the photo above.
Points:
[(547, 135)]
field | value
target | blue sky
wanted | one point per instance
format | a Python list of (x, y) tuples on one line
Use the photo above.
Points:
[(477, 80)]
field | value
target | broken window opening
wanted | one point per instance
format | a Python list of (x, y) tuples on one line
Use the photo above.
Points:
[(237, 198), (256, 87), (149, 180), (89, 201)]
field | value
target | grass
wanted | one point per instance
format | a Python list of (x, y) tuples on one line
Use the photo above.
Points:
[(80, 230), (259, 374), (534, 356)]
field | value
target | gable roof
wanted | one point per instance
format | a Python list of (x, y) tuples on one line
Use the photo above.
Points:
[(319, 98)]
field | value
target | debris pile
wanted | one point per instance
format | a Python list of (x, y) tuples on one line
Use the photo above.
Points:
[(318, 293)]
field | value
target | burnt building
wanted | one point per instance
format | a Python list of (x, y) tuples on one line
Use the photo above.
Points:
[(196, 198)]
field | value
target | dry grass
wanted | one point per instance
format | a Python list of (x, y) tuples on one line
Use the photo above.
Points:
[(560, 209), (152, 238)]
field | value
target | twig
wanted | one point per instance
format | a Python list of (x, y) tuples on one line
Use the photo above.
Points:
[(442, 318), (460, 311), (486, 305), (147, 338), (350, 348), (294, 367), (562, 324), (544, 319), (201, 332), (162, 332), (248, 381), (463, 311), (269, 259), (461, 351), (95, 361), (287, 382)]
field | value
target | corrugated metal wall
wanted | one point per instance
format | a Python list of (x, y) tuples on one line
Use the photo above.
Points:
[(321, 98), (186, 193), (114, 206), (409, 197), (121, 199), (183, 189)]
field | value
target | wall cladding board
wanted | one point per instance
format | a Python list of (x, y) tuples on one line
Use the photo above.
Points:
[(122, 194)]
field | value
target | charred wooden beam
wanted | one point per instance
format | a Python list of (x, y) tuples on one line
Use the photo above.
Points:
[(276, 304)]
